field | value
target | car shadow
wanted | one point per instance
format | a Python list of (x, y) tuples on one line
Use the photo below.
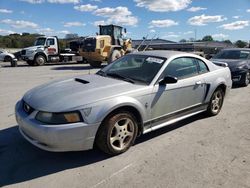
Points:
[(20, 161), (237, 86), (170, 128), (75, 67)]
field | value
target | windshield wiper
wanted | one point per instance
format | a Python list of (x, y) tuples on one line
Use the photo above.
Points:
[(115, 75)]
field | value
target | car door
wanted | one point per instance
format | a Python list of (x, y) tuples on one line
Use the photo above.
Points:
[(51, 47), (172, 100)]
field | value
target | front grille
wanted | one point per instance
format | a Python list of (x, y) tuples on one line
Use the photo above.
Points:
[(23, 52), (89, 45), (27, 108)]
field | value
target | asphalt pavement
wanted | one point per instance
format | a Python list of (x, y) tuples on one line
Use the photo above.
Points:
[(197, 152)]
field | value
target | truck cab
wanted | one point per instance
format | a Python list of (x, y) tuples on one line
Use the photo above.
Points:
[(45, 49)]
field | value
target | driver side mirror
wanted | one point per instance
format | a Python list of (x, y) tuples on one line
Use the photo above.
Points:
[(168, 80)]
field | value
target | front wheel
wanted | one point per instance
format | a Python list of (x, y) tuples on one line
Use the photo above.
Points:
[(7, 59), (117, 133), (116, 54), (40, 60), (216, 102)]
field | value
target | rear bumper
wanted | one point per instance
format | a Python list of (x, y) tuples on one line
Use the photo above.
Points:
[(238, 77), (66, 137)]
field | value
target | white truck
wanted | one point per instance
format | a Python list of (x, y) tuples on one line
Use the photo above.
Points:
[(46, 50)]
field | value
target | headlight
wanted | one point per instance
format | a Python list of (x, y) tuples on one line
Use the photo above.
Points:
[(59, 118), (241, 67), (30, 51)]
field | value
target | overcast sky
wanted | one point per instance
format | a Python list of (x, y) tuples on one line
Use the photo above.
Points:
[(167, 19)]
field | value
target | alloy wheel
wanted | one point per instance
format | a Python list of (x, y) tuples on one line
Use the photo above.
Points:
[(247, 78), (217, 101), (122, 133)]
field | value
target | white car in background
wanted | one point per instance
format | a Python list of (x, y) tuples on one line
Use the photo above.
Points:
[(8, 57)]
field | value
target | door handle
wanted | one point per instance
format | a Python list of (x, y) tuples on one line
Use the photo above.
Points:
[(198, 83)]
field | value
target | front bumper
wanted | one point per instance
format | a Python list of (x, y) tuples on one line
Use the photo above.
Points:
[(238, 77), (28, 57), (66, 137)]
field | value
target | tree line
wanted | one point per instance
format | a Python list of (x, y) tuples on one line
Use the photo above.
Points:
[(209, 38), (26, 39)]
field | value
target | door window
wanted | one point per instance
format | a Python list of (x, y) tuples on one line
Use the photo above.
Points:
[(182, 68), (50, 42)]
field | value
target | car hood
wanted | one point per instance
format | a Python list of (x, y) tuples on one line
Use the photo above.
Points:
[(232, 63), (32, 48), (70, 93)]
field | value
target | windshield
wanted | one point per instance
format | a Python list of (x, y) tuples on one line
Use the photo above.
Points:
[(106, 31), (40, 41), (232, 54), (134, 68)]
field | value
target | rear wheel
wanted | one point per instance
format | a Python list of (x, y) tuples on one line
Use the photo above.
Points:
[(95, 64), (116, 54), (7, 59), (216, 102), (246, 79), (117, 133), (40, 60)]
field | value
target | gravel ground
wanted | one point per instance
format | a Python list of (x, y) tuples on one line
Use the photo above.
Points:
[(198, 152)]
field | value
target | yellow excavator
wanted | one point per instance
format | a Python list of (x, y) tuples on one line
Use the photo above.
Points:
[(108, 45)]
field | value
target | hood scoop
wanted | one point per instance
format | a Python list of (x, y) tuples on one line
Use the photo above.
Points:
[(81, 81)]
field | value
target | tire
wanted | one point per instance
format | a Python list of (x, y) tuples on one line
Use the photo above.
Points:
[(95, 64), (116, 54), (216, 102), (7, 59), (117, 133), (246, 79), (30, 63), (13, 63), (40, 60)]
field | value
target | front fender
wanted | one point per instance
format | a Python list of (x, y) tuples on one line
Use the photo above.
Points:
[(11, 55), (101, 109)]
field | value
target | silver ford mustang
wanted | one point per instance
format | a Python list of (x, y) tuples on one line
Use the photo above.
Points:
[(134, 95)]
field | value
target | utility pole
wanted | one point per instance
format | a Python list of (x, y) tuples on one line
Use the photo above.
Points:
[(195, 34)]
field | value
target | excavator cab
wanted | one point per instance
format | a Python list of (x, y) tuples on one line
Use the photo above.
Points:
[(114, 31)]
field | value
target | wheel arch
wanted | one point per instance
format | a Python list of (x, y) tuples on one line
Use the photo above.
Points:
[(131, 109), (41, 53), (7, 57), (223, 87)]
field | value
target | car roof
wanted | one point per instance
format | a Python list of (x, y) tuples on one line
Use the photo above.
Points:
[(160, 53)]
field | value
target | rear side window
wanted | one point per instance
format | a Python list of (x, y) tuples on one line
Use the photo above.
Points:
[(202, 66), (182, 68)]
